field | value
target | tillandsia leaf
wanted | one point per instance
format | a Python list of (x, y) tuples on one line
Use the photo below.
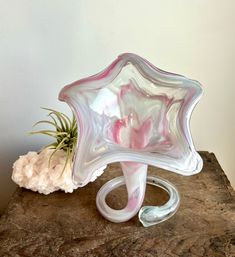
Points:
[(47, 122), (57, 115), (60, 114), (63, 118), (49, 146), (58, 127), (74, 125), (65, 134), (48, 133), (44, 132), (58, 147), (63, 127), (66, 162)]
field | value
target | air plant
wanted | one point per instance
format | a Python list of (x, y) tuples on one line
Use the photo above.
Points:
[(65, 134)]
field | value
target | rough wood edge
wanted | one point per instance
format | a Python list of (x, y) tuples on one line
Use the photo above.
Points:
[(221, 172)]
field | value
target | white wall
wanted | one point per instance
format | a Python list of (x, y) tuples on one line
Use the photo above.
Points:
[(49, 43)]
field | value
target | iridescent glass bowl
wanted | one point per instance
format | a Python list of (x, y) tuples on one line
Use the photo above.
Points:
[(138, 115)]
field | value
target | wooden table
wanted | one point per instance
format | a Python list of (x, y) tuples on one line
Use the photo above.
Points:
[(67, 225)]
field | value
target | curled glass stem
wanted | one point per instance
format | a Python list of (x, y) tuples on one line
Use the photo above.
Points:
[(135, 180), (148, 215), (151, 215)]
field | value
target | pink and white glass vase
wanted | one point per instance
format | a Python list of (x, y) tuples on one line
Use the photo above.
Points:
[(138, 115)]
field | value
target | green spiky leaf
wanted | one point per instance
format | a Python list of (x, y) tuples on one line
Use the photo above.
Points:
[(65, 134)]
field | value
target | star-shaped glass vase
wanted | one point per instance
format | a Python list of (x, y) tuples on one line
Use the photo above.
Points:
[(138, 115)]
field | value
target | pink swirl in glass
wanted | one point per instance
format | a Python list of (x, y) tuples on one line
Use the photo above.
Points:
[(136, 114)]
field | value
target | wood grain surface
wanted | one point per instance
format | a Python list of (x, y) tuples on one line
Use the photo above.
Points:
[(67, 225)]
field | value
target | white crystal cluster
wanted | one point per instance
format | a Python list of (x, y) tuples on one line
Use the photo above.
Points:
[(32, 171)]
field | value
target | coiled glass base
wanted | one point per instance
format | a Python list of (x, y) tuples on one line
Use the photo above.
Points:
[(148, 215), (151, 215)]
